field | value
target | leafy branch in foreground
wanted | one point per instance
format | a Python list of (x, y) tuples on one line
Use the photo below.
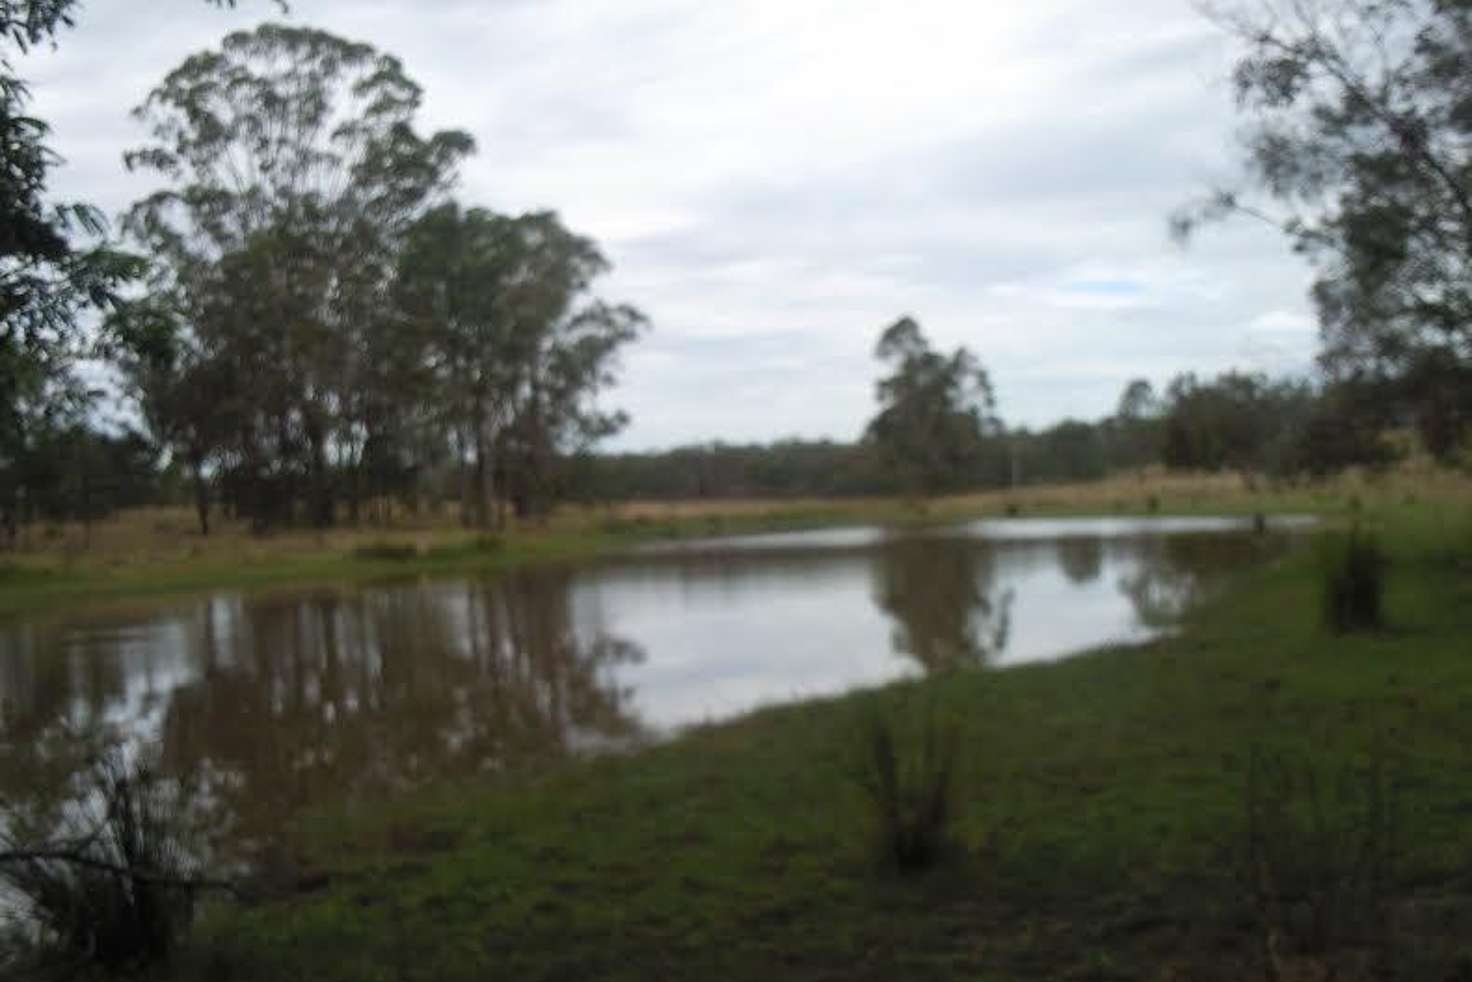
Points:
[(1358, 142), (120, 889)]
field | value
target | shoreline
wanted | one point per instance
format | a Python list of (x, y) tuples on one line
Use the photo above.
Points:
[(161, 564), (1098, 816)]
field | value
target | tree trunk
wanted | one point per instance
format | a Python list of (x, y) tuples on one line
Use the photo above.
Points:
[(481, 486), (319, 490), (9, 512), (201, 492)]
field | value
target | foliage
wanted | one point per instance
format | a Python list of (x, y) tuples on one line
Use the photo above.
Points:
[(1354, 583), (1237, 421), (936, 411), (47, 277), (1358, 138), (119, 891), (518, 349), (907, 772)]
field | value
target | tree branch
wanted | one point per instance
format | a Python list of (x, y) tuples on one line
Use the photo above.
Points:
[(75, 858)]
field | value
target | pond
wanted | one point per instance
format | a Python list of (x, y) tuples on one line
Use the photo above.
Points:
[(272, 701)]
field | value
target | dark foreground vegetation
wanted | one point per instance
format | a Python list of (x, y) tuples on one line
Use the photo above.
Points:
[(1255, 796)]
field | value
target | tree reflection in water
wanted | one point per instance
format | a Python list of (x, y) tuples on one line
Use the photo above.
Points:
[(290, 699), (940, 591), (1174, 573), (1081, 558)]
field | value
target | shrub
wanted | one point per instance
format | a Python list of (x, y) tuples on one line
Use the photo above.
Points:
[(908, 776), (397, 552), (1354, 583), (117, 890)]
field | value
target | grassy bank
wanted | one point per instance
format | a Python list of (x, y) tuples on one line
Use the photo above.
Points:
[(1101, 824), (156, 551)]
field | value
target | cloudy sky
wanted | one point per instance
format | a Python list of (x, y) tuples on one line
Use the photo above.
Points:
[(777, 180)]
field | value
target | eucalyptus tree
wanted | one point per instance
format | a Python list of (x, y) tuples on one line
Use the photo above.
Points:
[(1359, 144), (936, 410), (188, 401), (1136, 425), (292, 170), (566, 354), (519, 349)]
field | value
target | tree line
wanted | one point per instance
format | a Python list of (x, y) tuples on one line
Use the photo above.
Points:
[(1276, 429)]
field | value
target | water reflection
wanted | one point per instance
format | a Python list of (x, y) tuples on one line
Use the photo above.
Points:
[(273, 702), (942, 594), (1174, 573), (269, 704), (1081, 558)]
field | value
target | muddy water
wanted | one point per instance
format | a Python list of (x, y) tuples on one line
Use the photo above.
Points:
[(273, 701)]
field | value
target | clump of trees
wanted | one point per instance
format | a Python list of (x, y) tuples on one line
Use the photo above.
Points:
[(936, 411), (324, 326), (317, 327)]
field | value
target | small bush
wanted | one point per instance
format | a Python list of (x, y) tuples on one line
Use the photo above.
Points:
[(481, 545), (398, 552), (908, 776), (118, 891), (1354, 584), (1152, 504)]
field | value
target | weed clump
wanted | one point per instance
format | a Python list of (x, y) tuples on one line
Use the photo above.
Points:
[(118, 889), (1354, 584), (907, 771)]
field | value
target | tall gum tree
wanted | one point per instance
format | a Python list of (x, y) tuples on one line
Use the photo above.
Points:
[(936, 410), (519, 347), (292, 171)]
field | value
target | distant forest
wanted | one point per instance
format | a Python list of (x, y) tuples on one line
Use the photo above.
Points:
[(1281, 430), (1277, 430)]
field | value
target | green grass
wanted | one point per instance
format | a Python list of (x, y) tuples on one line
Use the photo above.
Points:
[(1099, 807)]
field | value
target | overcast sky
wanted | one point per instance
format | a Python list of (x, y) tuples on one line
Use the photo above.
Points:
[(777, 180)]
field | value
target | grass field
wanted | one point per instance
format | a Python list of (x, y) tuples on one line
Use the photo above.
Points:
[(156, 551), (1101, 818)]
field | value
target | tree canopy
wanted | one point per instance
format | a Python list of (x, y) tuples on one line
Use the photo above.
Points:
[(1359, 147)]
